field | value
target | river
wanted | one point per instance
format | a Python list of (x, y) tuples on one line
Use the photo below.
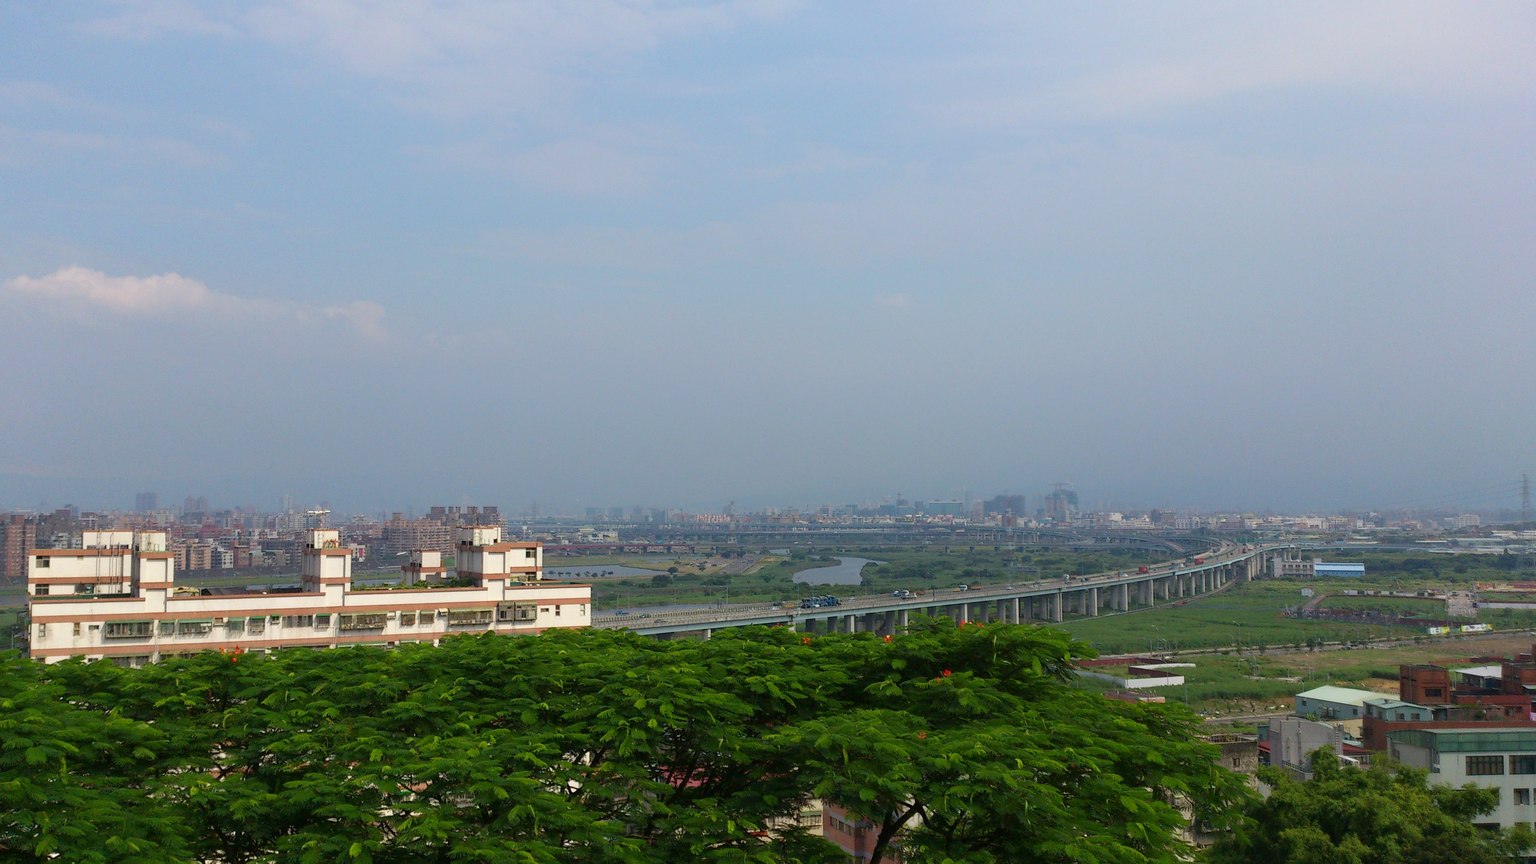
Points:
[(845, 572)]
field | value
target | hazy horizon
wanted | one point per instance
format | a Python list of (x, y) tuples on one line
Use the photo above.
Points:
[(388, 255)]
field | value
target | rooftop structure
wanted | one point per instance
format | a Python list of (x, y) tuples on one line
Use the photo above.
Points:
[(116, 599), (1334, 703)]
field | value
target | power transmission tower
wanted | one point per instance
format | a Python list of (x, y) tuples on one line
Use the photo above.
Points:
[(1525, 501), (1526, 561)]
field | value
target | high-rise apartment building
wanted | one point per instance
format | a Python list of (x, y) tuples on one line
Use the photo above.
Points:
[(18, 533), (401, 535)]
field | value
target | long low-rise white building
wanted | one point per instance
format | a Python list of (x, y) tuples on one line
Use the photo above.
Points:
[(116, 599)]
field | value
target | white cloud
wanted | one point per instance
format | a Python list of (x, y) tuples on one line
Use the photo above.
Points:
[(22, 146), (27, 95), (167, 292), (1409, 49), (364, 316), (147, 19), (452, 57), (168, 295)]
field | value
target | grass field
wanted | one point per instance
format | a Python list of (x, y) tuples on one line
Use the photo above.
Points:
[(1415, 606), (1262, 658), (1246, 615), (1252, 615)]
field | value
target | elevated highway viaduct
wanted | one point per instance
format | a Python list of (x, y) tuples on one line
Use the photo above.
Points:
[(1044, 601)]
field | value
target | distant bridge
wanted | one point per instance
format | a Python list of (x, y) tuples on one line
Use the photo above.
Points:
[(1043, 601)]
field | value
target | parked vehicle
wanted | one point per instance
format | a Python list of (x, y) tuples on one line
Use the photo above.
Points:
[(1143, 569)]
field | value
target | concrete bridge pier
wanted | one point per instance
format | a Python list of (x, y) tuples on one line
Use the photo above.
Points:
[(1093, 602)]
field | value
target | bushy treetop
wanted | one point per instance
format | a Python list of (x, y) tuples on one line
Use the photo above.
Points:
[(968, 743)]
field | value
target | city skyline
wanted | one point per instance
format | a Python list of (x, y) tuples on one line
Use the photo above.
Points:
[(1189, 256), (1503, 501)]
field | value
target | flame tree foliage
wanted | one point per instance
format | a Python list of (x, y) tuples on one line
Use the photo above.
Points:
[(1386, 814), (968, 743)]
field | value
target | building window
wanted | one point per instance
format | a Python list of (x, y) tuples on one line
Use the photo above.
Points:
[(235, 626), (298, 620), (426, 619), (469, 617), (127, 630), (517, 612), (1482, 766), (1522, 796), (407, 619), (362, 621), (1522, 764), (557, 610), (42, 591), (42, 630), (256, 626), (323, 621), (193, 628), (167, 628), (44, 562)]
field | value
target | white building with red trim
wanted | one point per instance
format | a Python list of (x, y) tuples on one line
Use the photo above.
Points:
[(116, 599)]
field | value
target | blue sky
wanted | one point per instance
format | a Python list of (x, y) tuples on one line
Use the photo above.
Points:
[(387, 254)]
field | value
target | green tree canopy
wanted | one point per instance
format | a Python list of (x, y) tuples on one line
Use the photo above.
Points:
[(961, 743), (1380, 815)]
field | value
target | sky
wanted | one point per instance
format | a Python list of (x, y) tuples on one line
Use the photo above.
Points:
[(386, 254)]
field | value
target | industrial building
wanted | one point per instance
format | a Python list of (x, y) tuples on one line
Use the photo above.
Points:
[(1291, 565)]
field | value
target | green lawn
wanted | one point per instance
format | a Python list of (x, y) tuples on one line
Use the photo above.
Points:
[(1248, 615)]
